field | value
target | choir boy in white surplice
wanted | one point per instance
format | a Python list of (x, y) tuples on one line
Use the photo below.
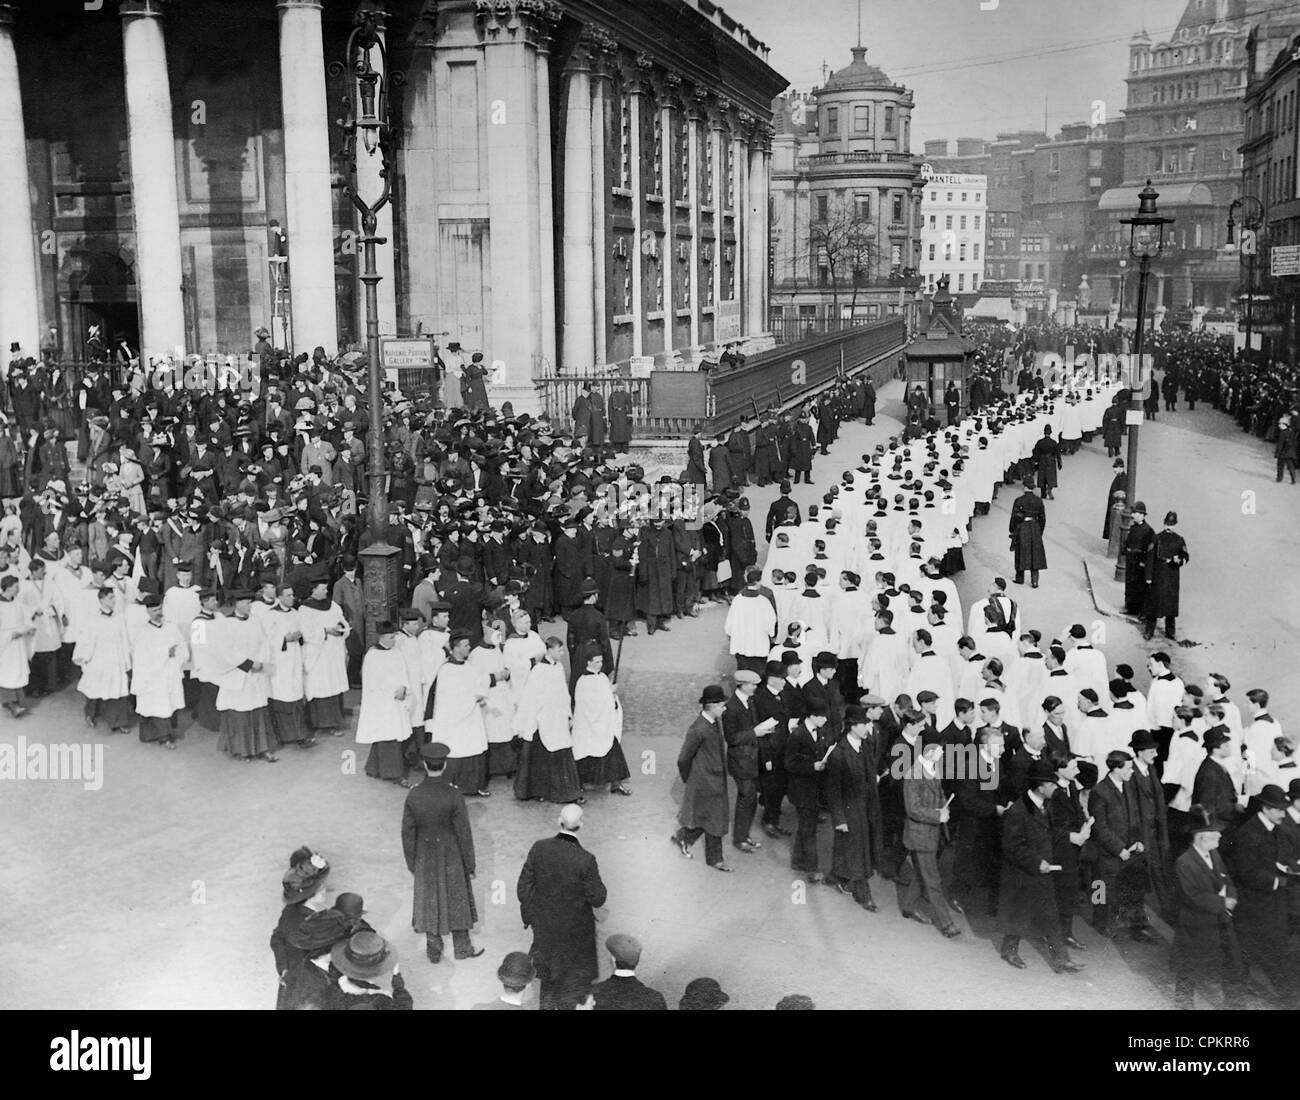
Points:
[(324, 659), (384, 719), (751, 624), (104, 657), (240, 661), (158, 655), (16, 633), (542, 719), (455, 717), (285, 694), (45, 600)]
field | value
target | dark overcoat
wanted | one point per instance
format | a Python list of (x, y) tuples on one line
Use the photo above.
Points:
[(620, 417), (720, 468), (654, 572), (558, 888), (1166, 557), (703, 768), (1027, 899), (853, 800), (1204, 938), (1047, 461), (1028, 518), (802, 446), (742, 741), (439, 849)]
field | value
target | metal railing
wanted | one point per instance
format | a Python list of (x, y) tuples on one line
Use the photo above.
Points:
[(558, 395)]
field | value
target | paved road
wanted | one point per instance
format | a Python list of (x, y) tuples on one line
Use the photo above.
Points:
[(161, 888)]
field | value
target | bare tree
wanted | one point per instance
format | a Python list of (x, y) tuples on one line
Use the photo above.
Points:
[(842, 242)]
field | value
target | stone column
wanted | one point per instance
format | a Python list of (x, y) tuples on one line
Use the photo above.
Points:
[(308, 199), (602, 57), (763, 239), (546, 23), (664, 104), (579, 260), (695, 119), (513, 186), (369, 187), (154, 197), (755, 275), (639, 89), (740, 196), (718, 136), (20, 302)]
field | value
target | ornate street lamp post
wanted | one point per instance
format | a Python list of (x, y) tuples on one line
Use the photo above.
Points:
[(1146, 243), (366, 132), (1252, 218)]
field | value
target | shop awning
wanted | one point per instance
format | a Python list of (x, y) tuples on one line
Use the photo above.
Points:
[(1171, 195)]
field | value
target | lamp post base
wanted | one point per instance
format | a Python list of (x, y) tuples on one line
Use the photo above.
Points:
[(1124, 523), (381, 584)]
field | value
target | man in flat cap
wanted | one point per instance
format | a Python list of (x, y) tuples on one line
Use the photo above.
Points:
[(742, 735), (559, 890), (927, 812), (438, 844), (622, 990)]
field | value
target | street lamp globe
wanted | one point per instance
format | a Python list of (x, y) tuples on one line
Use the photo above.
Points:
[(1147, 227)]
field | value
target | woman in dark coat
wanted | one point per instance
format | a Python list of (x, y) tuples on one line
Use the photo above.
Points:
[(302, 886), (619, 588), (367, 963), (720, 467), (598, 421), (854, 804), (714, 548), (1047, 461), (825, 426), (1028, 518)]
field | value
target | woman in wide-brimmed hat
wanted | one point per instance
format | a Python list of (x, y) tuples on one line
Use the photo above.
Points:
[(364, 961), (302, 886)]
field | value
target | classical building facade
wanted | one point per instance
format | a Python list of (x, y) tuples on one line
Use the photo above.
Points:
[(1183, 131), (845, 224), (577, 184)]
